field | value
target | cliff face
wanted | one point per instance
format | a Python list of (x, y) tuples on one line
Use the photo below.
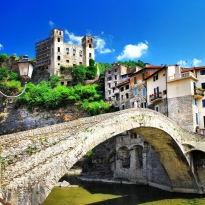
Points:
[(15, 120)]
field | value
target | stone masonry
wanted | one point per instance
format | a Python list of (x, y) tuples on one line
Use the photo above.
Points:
[(33, 161)]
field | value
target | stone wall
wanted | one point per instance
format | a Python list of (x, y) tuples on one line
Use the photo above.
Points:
[(162, 106), (180, 110), (14, 120)]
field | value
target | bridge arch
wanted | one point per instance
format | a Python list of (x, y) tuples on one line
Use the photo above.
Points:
[(40, 171)]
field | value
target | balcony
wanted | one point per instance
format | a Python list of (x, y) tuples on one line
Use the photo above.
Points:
[(181, 76), (198, 93), (116, 91), (155, 97)]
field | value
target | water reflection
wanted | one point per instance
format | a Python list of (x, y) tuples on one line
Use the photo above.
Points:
[(117, 194)]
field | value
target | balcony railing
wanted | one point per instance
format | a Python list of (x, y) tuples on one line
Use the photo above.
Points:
[(155, 97), (181, 76), (116, 91), (198, 93)]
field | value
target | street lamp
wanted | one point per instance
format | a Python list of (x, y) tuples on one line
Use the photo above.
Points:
[(25, 70)]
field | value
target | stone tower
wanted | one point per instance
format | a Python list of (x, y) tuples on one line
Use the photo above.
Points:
[(57, 46), (88, 49)]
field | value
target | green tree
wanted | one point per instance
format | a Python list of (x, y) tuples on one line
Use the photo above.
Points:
[(14, 76), (79, 74), (91, 70), (103, 66), (3, 57), (3, 73)]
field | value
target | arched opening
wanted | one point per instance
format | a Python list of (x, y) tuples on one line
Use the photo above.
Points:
[(138, 156), (124, 156), (198, 159)]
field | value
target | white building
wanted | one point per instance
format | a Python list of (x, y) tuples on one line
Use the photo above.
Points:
[(179, 94)]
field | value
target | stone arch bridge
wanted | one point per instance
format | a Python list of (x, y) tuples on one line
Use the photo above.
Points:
[(33, 161)]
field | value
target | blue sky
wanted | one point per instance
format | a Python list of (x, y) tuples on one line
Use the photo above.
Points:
[(154, 31)]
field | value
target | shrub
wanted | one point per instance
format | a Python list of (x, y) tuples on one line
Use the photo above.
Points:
[(3, 73), (79, 74), (14, 76), (91, 72)]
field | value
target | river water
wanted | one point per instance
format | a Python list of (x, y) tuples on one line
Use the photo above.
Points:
[(93, 193)]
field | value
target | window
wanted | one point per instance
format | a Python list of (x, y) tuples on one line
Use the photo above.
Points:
[(203, 85), (127, 95), (157, 108), (58, 49), (74, 50), (204, 121), (203, 103), (135, 80), (108, 71), (109, 78), (90, 46), (197, 120), (115, 77), (80, 53), (67, 61), (123, 106), (115, 70), (122, 89), (108, 85), (74, 65), (164, 92), (127, 87), (144, 91), (202, 72), (80, 63), (155, 77), (58, 57), (195, 101), (115, 84), (90, 55), (121, 97), (67, 49), (59, 39), (109, 92), (135, 91), (156, 91)]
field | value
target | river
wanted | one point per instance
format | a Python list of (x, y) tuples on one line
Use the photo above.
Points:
[(93, 193)]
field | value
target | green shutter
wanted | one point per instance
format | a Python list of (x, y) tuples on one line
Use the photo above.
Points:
[(135, 80)]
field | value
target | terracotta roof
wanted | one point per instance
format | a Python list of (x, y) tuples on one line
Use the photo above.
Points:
[(124, 82), (186, 69), (154, 66), (199, 67), (162, 67)]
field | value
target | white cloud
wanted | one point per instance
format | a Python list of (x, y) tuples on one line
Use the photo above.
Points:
[(1, 46), (100, 46), (196, 62), (102, 32), (133, 51), (73, 39), (182, 63), (51, 23)]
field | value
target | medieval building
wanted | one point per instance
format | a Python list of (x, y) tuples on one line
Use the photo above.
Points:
[(53, 52)]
